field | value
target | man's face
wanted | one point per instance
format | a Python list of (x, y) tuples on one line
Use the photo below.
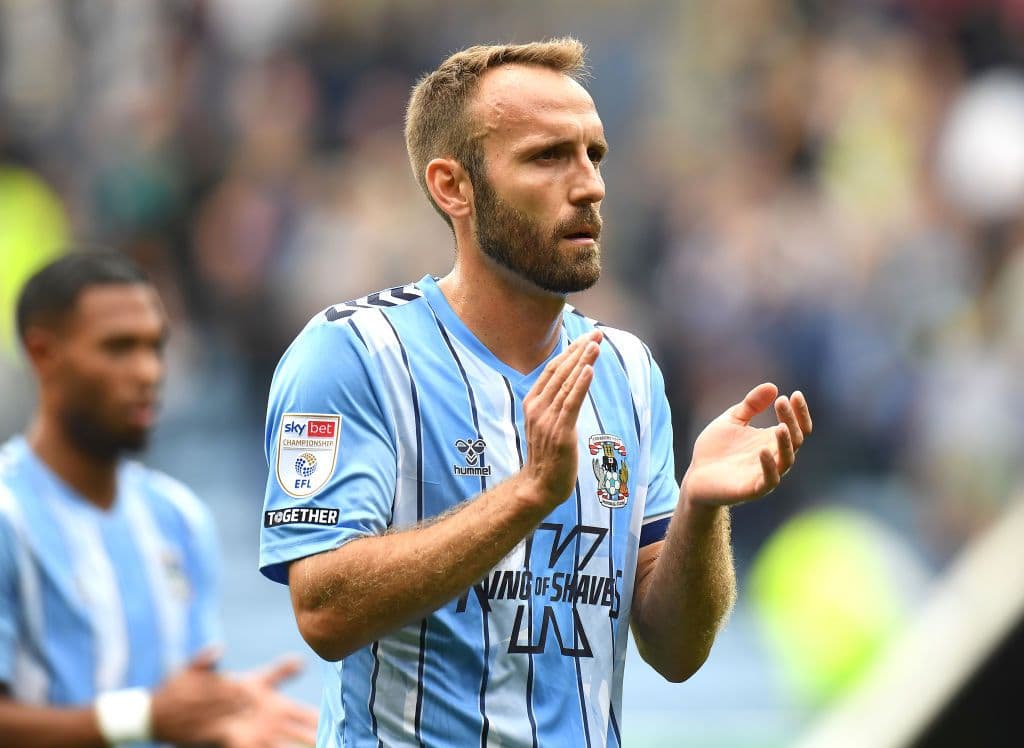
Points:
[(538, 203), (108, 367)]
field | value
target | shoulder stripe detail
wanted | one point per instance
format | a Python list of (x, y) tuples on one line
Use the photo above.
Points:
[(390, 297)]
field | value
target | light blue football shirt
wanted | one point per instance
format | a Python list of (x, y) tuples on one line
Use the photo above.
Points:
[(94, 600), (387, 411)]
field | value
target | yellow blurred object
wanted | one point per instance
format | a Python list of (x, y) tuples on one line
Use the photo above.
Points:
[(33, 231), (829, 589)]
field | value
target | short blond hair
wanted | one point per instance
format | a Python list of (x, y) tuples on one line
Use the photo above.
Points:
[(437, 124)]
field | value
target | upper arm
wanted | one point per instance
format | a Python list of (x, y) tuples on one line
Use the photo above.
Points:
[(337, 484)]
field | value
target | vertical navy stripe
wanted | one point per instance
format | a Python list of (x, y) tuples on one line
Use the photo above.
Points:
[(611, 568), (469, 392), (575, 617), (485, 675), (419, 517), (528, 565), (622, 362), (352, 324), (373, 685)]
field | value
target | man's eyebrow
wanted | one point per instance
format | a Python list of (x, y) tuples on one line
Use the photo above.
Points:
[(543, 143)]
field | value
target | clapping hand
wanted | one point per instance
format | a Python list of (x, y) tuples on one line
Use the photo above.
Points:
[(269, 719), (734, 462)]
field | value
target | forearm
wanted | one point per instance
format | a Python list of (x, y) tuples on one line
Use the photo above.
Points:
[(684, 596), (45, 727), (346, 598)]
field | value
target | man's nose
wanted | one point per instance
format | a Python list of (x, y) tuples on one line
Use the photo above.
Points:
[(148, 367), (588, 187)]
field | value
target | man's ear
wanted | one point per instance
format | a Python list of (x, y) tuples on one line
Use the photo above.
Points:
[(450, 186), (41, 349)]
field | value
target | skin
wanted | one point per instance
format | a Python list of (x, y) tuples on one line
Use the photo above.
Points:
[(543, 141), (99, 373)]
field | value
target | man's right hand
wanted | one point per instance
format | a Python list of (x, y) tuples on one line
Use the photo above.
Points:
[(192, 704), (199, 705), (551, 409)]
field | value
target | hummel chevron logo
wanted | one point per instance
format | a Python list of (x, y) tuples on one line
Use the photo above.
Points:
[(472, 449)]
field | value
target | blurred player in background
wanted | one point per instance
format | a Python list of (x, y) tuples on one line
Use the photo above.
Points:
[(108, 622), (472, 491)]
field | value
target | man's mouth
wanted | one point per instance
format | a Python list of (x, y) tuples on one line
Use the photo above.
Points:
[(583, 235)]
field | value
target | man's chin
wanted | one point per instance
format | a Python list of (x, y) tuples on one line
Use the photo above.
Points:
[(574, 282)]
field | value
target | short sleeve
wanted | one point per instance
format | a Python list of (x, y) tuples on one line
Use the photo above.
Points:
[(330, 449), (8, 598), (663, 490)]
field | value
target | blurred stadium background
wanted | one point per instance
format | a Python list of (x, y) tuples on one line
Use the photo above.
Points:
[(825, 194)]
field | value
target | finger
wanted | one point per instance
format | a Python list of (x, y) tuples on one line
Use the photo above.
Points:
[(206, 659), (787, 416), (291, 733), (557, 361), (755, 402), (787, 453), (803, 412), (282, 670), (587, 357), (545, 390), (303, 715), (570, 409), (770, 471)]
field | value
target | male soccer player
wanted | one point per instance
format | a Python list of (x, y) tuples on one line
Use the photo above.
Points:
[(472, 489), (107, 568)]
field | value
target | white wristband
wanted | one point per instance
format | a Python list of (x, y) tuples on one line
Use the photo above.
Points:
[(124, 716)]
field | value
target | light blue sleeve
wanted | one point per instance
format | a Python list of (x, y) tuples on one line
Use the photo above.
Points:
[(663, 490), (326, 374), (9, 604)]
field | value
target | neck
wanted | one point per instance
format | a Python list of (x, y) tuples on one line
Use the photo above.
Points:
[(95, 478), (518, 322)]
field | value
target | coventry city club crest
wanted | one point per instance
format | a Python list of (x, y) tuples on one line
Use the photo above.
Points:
[(610, 469)]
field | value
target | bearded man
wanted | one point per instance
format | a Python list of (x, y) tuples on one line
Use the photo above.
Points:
[(472, 493), (108, 597)]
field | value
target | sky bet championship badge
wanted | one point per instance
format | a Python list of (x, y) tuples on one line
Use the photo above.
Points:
[(307, 448), (610, 469)]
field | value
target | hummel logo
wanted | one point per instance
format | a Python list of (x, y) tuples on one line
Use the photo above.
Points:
[(472, 449)]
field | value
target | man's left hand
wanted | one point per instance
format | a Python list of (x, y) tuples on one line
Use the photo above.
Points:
[(734, 462)]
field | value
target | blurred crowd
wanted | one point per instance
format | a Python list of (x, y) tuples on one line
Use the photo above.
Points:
[(827, 195)]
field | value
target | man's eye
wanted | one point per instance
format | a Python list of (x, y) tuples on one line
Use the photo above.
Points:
[(547, 155)]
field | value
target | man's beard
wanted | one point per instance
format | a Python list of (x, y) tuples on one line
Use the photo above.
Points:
[(517, 243), (89, 434)]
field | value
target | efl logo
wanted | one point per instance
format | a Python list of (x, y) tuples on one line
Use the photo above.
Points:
[(320, 429)]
